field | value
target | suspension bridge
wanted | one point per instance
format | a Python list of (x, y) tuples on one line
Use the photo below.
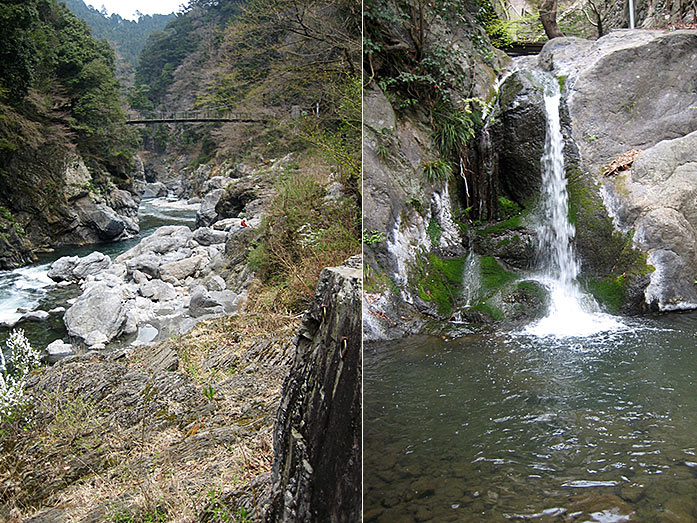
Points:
[(198, 116)]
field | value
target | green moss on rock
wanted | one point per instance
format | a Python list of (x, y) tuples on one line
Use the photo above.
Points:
[(493, 275), (609, 261), (610, 292), (498, 228), (434, 231), (439, 281)]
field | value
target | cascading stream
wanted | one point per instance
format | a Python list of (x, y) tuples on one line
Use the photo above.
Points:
[(571, 312)]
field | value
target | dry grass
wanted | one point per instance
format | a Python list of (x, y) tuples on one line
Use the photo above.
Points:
[(155, 470)]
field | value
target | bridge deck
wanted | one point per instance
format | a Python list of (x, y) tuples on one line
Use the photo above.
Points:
[(524, 48), (197, 116)]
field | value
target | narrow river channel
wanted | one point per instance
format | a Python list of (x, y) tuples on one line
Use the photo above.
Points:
[(29, 288)]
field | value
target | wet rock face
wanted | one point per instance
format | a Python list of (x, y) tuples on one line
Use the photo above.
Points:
[(317, 438), (657, 199), (519, 135), (627, 90)]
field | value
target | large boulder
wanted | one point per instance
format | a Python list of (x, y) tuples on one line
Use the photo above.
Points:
[(92, 264), (157, 290), (177, 271), (202, 303), (62, 268), (154, 190), (656, 199), (164, 240), (98, 315), (519, 134), (207, 213), (627, 90), (101, 220), (207, 236), (72, 268)]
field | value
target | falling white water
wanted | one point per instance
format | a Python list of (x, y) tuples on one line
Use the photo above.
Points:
[(571, 313)]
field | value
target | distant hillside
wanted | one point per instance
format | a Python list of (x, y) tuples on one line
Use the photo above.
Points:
[(126, 36)]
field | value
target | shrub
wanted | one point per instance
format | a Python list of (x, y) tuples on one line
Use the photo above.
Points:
[(438, 171), (23, 359)]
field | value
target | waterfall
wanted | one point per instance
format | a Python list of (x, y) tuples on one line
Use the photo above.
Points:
[(571, 312)]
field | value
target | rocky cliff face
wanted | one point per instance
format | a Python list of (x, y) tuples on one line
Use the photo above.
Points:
[(317, 439), (56, 203), (634, 91)]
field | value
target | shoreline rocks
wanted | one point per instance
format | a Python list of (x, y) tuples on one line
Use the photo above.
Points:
[(152, 290)]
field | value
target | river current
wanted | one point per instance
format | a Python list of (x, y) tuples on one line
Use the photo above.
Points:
[(29, 288)]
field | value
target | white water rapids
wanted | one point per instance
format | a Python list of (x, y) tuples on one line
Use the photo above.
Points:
[(571, 312)]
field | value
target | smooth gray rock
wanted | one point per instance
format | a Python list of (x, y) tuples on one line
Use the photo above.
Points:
[(207, 236), (98, 315), (100, 218), (62, 268), (177, 271), (228, 299), (37, 316), (154, 190), (216, 283), (157, 290), (627, 90), (92, 264), (146, 334), (164, 240), (59, 348), (72, 268), (147, 263), (207, 214), (140, 277), (656, 199), (202, 303)]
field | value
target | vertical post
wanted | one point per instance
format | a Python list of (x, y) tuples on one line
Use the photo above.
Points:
[(631, 14)]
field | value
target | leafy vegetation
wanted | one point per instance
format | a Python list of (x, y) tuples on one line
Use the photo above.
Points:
[(23, 358), (58, 84), (424, 72), (302, 233), (437, 172)]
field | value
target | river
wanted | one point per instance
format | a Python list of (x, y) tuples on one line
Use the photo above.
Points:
[(508, 426), (29, 288)]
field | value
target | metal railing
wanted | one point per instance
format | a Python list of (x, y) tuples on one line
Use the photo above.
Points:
[(209, 115)]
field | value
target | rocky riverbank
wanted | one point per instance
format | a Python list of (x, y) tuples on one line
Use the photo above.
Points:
[(183, 429), (158, 288)]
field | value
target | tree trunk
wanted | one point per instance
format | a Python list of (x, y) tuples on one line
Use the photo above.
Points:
[(548, 17)]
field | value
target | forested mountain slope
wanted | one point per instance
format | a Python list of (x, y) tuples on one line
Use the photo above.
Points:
[(59, 107), (126, 36)]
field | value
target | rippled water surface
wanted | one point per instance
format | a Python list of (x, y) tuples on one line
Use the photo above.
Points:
[(499, 427), (30, 287)]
